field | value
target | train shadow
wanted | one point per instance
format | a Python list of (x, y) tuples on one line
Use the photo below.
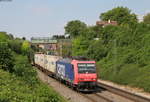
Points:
[(97, 90)]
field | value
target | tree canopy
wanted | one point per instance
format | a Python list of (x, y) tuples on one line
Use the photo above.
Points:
[(147, 18), (75, 28), (4, 37), (122, 15), (25, 47)]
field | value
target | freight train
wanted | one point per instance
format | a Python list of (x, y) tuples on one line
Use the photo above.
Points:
[(80, 74)]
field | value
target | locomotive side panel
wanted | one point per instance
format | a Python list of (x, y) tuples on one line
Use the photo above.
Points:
[(65, 71)]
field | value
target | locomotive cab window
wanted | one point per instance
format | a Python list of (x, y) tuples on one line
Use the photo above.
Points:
[(86, 68)]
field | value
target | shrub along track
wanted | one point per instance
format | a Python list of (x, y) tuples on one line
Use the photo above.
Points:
[(102, 94)]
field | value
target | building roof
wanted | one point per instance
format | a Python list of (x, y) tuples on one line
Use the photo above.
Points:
[(105, 23)]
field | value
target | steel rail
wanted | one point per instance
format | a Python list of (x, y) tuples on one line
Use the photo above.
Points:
[(108, 100), (88, 97), (123, 93)]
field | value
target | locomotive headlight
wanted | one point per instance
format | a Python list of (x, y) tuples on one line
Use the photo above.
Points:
[(94, 79)]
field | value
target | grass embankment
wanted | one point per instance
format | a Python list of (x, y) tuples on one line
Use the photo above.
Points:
[(23, 85)]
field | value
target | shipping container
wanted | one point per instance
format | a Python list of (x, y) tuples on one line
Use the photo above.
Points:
[(40, 60), (50, 63), (36, 58)]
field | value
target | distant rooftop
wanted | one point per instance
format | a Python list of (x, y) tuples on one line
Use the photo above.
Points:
[(105, 23)]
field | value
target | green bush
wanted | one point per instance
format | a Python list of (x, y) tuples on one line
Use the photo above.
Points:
[(6, 57), (4, 100), (24, 69), (15, 45), (14, 89)]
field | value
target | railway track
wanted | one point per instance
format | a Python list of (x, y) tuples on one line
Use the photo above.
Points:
[(108, 93), (123, 93), (105, 96), (97, 98), (108, 100)]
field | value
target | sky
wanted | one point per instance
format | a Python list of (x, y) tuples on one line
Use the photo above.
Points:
[(44, 18)]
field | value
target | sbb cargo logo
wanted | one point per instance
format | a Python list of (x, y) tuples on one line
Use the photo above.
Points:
[(61, 70)]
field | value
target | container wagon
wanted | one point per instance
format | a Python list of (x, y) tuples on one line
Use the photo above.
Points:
[(39, 60), (46, 63), (79, 74), (50, 64)]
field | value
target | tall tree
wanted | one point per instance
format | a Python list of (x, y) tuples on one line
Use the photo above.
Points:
[(4, 36), (147, 18), (122, 15), (15, 45), (25, 47), (11, 36), (23, 38), (80, 46), (75, 28)]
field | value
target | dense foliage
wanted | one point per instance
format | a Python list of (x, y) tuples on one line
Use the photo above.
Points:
[(6, 57), (21, 84), (13, 89), (25, 48), (4, 37), (23, 69), (147, 18), (122, 52), (15, 45), (127, 56)]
